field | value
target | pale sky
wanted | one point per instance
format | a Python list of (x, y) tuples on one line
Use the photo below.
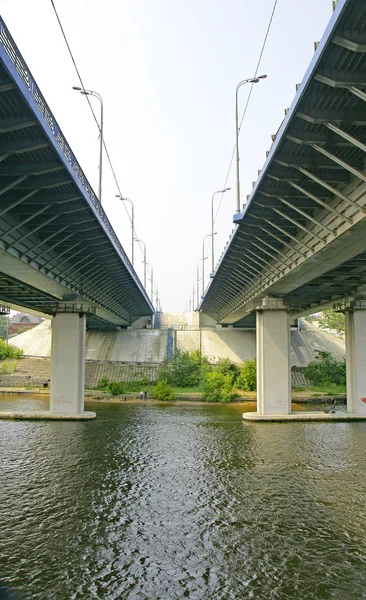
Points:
[(167, 71)]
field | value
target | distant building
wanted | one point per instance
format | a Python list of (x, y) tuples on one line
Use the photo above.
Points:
[(22, 322)]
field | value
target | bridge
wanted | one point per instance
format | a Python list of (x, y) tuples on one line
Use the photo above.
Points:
[(59, 254), (299, 244)]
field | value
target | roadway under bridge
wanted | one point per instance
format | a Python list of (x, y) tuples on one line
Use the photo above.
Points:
[(59, 255), (299, 244)]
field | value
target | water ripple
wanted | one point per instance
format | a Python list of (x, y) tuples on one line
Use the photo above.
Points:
[(168, 502)]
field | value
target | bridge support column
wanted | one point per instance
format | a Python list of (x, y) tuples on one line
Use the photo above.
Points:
[(356, 358), (273, 358), (68, 363)]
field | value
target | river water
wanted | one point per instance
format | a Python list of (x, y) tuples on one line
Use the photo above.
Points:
[(163, 502)]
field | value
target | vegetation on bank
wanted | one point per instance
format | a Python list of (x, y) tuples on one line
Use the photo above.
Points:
[(191, 373), (9, 351), (221, 382), (117, 388), (327, 372)]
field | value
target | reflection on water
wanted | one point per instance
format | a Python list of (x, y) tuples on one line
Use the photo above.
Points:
[(164, 502)]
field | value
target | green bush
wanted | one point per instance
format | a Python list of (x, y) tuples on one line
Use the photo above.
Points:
[(247, 379), (14, 366), (9, 351), (115, 388), (137, 385), (4, 368), (218, 387), (185, 370), (103, 383), (326, 370), (163, 391), (228, 367)]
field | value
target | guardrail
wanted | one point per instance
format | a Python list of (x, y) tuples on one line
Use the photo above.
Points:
[(21, 67)]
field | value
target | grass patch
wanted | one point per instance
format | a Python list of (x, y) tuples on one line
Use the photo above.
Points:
[(322, 390), (188, 391)]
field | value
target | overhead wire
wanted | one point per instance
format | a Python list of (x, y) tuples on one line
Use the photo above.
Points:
[(246, 107), (97, 123), (248, 100)]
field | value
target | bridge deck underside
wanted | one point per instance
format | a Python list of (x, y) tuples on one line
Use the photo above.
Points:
[(50, 218), (311, 191)]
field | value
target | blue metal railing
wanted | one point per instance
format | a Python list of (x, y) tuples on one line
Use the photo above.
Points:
[(23, 71)]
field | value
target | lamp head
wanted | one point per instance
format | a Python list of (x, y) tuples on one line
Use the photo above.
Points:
[(256, 79)]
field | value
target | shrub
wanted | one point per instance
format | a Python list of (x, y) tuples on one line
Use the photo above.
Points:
[(163, 391), (114, 388), (136, 385), (14, 366), (9, 351), (103, 383), (184, 370), (326, 370), (4, 368), (228, 367), (218, 387), (247, 379)]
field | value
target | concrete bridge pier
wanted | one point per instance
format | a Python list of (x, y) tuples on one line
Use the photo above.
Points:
[(68, 363), (273, 358), (356, 357)]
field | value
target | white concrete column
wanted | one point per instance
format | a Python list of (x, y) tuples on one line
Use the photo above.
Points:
[(356, 358), (273, 359), (68, 363)]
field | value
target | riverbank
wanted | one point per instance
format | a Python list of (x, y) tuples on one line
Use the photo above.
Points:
[(303, 397)]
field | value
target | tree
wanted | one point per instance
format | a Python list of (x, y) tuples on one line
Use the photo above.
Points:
[(228, 367), (184, 370), (163, 391), (332, 320), (326, 370), (218, 387), (247, 379)]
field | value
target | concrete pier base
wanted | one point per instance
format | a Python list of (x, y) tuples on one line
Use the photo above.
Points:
[(42, 415), (303, 416)]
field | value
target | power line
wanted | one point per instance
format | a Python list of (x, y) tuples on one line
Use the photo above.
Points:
[(97, 123), (248, 100), (246, 107)]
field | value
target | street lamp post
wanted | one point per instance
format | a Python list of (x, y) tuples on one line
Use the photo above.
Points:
[(96, 95), (157, 298), (203, 261), (251, 80), (132, 224), (212, 225), (203, 272), (197, 288), (152, 281), (144, 261)]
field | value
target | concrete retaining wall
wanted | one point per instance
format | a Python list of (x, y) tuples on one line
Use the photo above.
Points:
[(149, 346)]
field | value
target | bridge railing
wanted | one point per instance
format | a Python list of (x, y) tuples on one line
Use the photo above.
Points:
[(21, 67)]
